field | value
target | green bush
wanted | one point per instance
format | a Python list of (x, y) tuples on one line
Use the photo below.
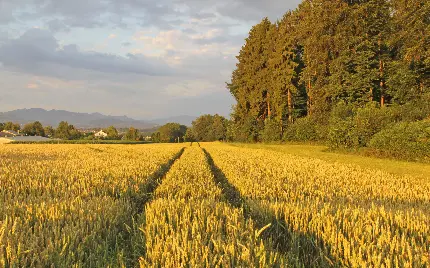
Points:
[(304, 129), (351, 127), (413, 111), (368, 121), (271, 131), (405, 140)]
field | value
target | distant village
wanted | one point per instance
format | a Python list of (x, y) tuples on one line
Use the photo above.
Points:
[(204, 128), (36, 132)]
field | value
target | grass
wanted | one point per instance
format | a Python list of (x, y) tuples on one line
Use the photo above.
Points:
[(420, 170)]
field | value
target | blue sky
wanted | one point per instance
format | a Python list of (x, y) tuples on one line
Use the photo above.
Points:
[(141, 58)]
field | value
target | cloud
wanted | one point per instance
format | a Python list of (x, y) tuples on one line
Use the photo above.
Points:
[(142, 58), (32, 86), (38, 52)]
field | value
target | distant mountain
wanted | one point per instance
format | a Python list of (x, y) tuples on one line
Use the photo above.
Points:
[(181, 119), (80, 120)]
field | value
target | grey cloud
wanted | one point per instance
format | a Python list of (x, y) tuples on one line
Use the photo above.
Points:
[(163, 14), (132, 82), (39, 48), (56, 25)]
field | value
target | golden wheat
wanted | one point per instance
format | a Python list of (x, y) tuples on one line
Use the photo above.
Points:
[(357, 217), (66, 205), (162, 206), (190, 224)]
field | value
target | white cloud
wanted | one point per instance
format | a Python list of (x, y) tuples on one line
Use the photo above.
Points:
[(175, 57), (190, 88)]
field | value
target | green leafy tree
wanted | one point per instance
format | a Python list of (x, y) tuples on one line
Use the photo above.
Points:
[(132, 134), (112, 133), (250, 84), (210, 128), (171, 132), (155, 137), (219, 127), (189, 135), (62, 131), (65, 131), (49, 131), (2, 126), (12, 126), (34, 129)]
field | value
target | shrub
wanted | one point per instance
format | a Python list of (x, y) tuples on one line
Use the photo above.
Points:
[(405, 140), (304, 129), (351, 127), (413, 111), (271, 131), (368, 121)]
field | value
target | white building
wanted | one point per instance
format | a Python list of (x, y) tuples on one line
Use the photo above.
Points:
[(101, 134)]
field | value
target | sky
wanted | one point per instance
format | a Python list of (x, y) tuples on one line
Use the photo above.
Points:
[(142, 58)]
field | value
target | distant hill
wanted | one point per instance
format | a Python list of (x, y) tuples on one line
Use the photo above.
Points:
[(182, 119), (80, 120), (87, 120)]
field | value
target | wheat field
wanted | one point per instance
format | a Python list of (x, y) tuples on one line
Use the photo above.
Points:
[(205, 205)]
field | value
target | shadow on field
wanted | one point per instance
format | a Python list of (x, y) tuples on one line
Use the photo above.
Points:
[(146, 190), (132, 242), (301, 250)]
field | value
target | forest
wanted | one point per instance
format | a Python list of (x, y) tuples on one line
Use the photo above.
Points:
[(350, 73)]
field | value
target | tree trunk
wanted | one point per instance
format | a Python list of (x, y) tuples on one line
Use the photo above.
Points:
[(381, 73), (290, 106), (269, 112), (309, 100)]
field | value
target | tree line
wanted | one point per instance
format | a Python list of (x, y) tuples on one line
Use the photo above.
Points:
[(66, 131), (330, 65), (204, 128)]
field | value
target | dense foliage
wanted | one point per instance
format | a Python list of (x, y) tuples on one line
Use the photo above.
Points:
[(407, 140), (366, 55), (170, 132), (209, 128)]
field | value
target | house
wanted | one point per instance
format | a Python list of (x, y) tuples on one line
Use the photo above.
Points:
[(9, 134), (101, 134)]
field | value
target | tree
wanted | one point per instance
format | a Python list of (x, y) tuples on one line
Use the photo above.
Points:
[(74, 133), (219, 127), (250, 84), (34, 129), (132, 134), (112, 133), (210, 128), (62, 131), (65, 131), (155, 137), (189, 135), (171, 132), (327, 51), (12, 126), (2, 126), (203, 128), (49, 131)]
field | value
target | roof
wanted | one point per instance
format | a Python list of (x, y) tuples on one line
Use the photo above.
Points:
[(29, 138), (10, 132)]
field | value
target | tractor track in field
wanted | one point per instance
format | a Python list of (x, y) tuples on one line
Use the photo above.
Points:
[(276, 231)]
